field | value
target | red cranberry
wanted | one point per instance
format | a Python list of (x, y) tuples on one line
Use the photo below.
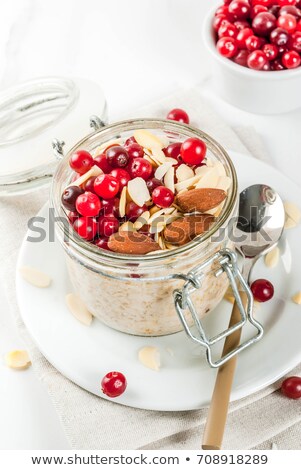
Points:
[(266, 67), (283, 3), (135, 151), (227, 47), (102, 162), (88, 204), (258, 9), (173, 150), (122, 176), (257, 60), (110, 207), (69, 197), (113, 384), (106, 186), (139, 167), (291, 387), (291, 60), (270, 51), (89, 184), (274, 9), (102, 242), (263, 24), (130, 141), (193, 151), (178, 115), (265, 3), (262, 290), (298, 26), (295, 42), (162, 196), (218, 21), (282, 50), (253, 43), (276, 65), (291, 10), (287, 22), (117, 156), (86, 227), (227, 30), (223, 10), (240, 25), (72, 216), (152, 184), (108, 225), (242, 36), (239, 9), (81, 161), (279, 36), (242, 58), (133, 211)]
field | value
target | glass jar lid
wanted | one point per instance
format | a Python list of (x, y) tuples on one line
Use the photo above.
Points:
[(32, 114)]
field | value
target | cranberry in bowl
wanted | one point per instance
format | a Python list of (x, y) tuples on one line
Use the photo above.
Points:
[(256, 54), (130, 237)]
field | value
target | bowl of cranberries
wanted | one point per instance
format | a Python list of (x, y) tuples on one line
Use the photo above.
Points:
[(256, 51)]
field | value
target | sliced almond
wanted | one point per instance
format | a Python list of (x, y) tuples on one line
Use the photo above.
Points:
[(169, 179), (200, 199), (132, 243), (159, 213), (138, 191), (297, 298), (127, 226), (157, 226), (79, 309), (272, 258), (149, 356), (224, 182), (293, 215), (142, 220), (171, 160), (162, 170), (158, 155), (161, 242), (209, 179), (220, 169), (94, 171), (122, 202), (147, 139), (187, 183), (154, 209), (35, 277), (17, 360), (105, 145), (184, 172)]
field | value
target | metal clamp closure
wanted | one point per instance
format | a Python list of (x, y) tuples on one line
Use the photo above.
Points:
[(227, 260)]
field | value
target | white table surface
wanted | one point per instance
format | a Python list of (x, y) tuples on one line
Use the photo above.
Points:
[(138, 51)]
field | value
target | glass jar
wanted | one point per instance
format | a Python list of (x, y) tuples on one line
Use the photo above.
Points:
[(134, 294)]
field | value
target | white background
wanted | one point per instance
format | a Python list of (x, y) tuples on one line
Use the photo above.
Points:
[(138, 51)]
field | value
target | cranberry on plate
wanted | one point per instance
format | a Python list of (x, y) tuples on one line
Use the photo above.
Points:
[(262, 290), (113, 384), (291, 387)]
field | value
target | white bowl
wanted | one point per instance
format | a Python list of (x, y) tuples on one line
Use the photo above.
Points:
[(254, 91)]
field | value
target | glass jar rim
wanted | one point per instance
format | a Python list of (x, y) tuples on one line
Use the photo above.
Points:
[(87, 249)]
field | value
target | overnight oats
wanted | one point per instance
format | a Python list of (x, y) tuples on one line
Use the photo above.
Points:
[(140, 204)]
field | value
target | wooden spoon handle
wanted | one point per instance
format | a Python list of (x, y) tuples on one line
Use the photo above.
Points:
[(218, 410)]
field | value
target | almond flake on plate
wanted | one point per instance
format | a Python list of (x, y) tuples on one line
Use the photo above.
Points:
[(149, 356), (148, 140), (297, 298), (78, 309), (94, 171), (293, 214), (184, 172), (169, 179), (162, 170), (138, 191), (142, 220), (122, 202), (17, 360), (271, 259), (35, 277)]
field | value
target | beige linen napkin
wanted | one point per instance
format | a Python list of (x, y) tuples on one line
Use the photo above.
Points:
[(94, 423)]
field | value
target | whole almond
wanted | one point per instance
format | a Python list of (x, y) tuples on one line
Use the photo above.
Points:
[(132, 243), (200, 199), (184, 230)]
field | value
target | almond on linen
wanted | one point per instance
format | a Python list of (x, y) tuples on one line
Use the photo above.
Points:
[(149, 356), (184, 229), (132, 243), (79, 309), (17, 359), (200, 199), (35, 277), (138, 191)]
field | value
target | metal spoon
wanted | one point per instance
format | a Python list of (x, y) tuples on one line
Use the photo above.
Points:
[(258, 229)]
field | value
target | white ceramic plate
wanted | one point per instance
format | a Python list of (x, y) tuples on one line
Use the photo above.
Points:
[(185, 381)]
